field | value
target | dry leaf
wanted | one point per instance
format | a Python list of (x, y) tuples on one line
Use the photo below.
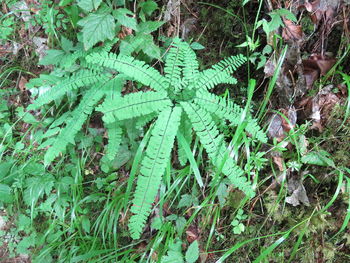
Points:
[(124, 32), (192, 234), (316, 65), (279, 126), (296, 187), (22, 84), (278, 160), (291, 31)]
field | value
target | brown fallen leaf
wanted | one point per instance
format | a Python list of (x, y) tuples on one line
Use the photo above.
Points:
[(278, 160), (192, 234), (315, 66), (292, 31), (279, 126), (319, 107), (125, 31), (22, 84), (299, 195)]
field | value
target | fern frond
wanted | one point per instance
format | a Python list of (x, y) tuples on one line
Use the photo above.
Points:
[(229, 65), (133, 105), (224, 109), (220, 73), (131, 67), (143, 120), (255, 130), (173, 64), (74, 124), (191, 66), (215, 146), (152, 167), (81, 79), (114, 132), (210, 78)]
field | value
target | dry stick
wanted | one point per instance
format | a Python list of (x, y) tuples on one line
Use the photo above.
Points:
[(200, 35)]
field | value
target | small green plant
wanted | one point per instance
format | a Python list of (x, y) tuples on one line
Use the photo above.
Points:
[(237, 226), (181, 101), (174, 254), (6, 27)]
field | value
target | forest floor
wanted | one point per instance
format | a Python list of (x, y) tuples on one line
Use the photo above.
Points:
[(75, 204)]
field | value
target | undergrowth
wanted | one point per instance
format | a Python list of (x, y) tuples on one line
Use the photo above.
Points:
[(120, 145)]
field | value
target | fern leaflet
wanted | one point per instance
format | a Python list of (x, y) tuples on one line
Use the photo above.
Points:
[(81, 79), (133, 105), (190, 69), (174, 61), (153, 166), (114, 140), (215, 146), (131, 67), (186, 130), (225, 109), (74, 124)]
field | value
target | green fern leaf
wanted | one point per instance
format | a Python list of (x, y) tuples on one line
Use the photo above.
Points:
[(227, 110), (114, 139), (220, 73), (81, 79), (224, 109), (173, 63), (254, 129), (215, 146), (230, 64), (131, 67), (191, 66), (152, 167), (210, 78), (143, 120), (74, 124), (133, 105)]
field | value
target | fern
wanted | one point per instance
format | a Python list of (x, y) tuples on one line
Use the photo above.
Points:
[(215, 146), (81, 79), (74, 124), (186, 130), (114, 140), (133, 105), (131, 67), (229, 111), (174, 61), (182, 88), (153, 166)]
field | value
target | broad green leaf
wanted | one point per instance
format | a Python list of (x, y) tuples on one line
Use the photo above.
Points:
[(89, 5), (192, 253), (174, 254), (148, 7), (185, 201), (197, 46), (149, 26), (5, 194), (96, 28), (275, 22), (125, 17), (85, 223), (318, 158), (288, 14), (53, 57)]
